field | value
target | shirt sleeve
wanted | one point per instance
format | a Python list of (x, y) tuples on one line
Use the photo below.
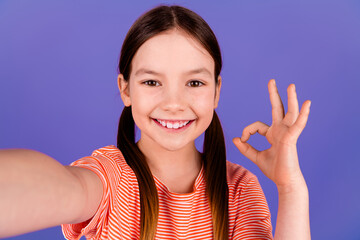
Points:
[(254, 220), (95, 227)]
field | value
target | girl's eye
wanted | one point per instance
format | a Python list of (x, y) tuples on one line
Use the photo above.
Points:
[(195, 83), (151, 83)]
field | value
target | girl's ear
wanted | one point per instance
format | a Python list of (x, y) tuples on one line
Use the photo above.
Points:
[(124, 90), (217, 92)]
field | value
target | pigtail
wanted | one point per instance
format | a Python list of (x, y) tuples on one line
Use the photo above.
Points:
[(214, 157), (149, 201)]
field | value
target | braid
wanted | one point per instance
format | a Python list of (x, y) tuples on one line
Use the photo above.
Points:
[(149, 201)]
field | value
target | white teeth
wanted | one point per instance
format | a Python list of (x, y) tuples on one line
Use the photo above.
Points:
[(175, 125)]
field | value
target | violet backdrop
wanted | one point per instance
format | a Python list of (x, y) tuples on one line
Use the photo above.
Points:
[(58, 90)]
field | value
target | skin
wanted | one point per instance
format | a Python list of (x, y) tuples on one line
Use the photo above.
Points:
[(165, 91), (161, 86), (280, 162)]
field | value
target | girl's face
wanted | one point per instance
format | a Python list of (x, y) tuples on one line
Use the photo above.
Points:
[(172, 90)]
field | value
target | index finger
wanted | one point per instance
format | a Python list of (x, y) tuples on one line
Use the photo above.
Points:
[(276, 103)]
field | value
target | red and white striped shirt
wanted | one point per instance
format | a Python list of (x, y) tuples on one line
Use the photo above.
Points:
[(181, 216)]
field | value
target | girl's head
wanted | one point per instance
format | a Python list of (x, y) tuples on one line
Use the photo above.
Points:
[(169, 69), (170, 64)]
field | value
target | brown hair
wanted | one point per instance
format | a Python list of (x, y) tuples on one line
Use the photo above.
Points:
[(153, 22)]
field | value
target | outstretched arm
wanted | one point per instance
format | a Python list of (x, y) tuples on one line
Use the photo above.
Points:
[(38, 192), (280, 162)]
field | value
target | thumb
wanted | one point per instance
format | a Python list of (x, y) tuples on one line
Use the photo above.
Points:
[(246, 149), (239, 144)]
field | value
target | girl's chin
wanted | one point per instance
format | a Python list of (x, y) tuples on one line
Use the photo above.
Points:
[(173, 147), (164, 144)]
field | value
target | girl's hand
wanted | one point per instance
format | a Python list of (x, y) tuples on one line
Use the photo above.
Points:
[(279, 162)]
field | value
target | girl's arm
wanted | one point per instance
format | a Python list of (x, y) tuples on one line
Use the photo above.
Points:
[(280, 162), (37, 192), (293, 213)]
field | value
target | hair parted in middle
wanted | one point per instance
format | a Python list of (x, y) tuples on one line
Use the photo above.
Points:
[(157, 20)]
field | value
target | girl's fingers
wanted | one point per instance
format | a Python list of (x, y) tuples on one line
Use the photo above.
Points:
[(300, 123), (276, 103), (246, 149), (293, 106), (253, 128)]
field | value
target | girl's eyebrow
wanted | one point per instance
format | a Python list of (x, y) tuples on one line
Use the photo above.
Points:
[(194, 71), (146, 71), (199, 70)]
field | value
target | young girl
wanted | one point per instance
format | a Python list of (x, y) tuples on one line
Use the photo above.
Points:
[(162, 187)]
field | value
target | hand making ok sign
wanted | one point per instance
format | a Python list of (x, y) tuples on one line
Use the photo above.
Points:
[(280, 161)]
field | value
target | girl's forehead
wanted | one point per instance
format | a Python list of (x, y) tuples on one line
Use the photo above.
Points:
[(172, 50)]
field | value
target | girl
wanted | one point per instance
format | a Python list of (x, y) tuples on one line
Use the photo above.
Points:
[(162, 187)]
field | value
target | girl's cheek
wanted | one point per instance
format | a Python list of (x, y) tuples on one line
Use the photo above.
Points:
[(145, 94), (203, 99)]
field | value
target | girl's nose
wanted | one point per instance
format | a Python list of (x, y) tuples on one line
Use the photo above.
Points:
[(174, 100)]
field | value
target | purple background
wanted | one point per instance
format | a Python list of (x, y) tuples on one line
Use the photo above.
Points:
[(58, 91)]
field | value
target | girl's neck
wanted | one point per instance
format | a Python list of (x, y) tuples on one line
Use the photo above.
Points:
[(166, 164)]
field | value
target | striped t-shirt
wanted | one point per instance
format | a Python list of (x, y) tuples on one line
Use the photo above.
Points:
[(181, 216)]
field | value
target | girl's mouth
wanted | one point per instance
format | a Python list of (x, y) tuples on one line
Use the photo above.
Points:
[(173, 125)]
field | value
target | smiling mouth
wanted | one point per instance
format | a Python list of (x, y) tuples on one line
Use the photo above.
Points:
[(173, 124)]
